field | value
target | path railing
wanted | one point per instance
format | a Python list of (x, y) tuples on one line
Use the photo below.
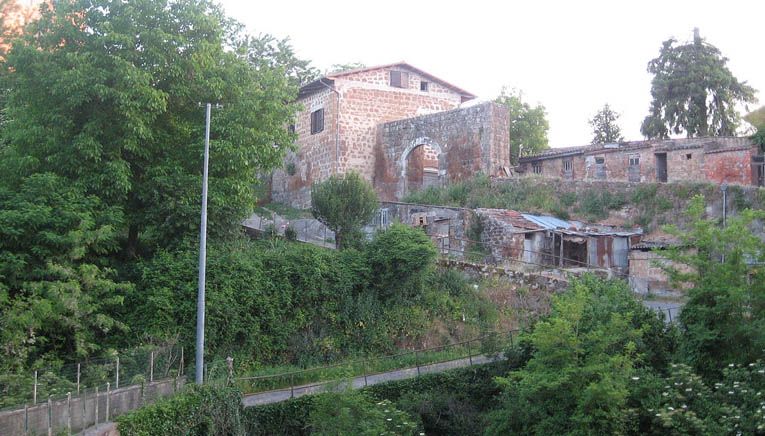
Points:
[(489, 343)]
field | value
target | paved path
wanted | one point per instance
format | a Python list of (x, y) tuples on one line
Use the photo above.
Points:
[(359, 382)]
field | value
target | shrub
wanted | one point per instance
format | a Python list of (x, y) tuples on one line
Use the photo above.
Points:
[(290, 234), (399, 258), (199, 410), (344, 204)]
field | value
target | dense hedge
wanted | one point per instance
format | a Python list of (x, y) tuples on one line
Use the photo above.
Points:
[(448, 403), (198, 410)]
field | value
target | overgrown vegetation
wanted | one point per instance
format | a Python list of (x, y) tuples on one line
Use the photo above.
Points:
[(344, 203), (648, 205)]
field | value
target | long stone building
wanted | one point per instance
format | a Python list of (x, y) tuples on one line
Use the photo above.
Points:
[(717, 160), (398, 126)]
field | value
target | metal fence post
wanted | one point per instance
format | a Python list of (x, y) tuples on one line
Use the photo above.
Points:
[(470, 353), (95, 419), (69, 413), (417, 362), (180, 369), (151, 367), (292, 385), (669, 311), (34, 391), (50, 416), (143, 393), (366, 369), (26, 419), (117, 381), (108, 397), (78, 379)]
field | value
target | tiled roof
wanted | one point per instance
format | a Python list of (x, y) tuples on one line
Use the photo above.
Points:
[(318, 84)]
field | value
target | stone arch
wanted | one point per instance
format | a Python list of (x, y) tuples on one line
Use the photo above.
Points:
[(403, 161)]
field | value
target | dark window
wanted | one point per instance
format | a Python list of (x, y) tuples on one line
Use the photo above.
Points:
[(568, 165), (424, 86), (600, 160), (317, 121), (399, 79), (537, 168), (635, 160), (600, 167), (688, 156)]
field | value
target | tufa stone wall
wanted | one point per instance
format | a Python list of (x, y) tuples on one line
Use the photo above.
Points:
[(713, 160), (353, 109), (467, 141)]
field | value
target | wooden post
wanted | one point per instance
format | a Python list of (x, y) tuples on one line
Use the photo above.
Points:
[(292, 385), (180, 369), (560, 258), (417, 362), (470, 354)]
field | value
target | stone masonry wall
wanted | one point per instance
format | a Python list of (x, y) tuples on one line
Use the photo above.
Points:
[(713, 160), (469, 140), (368, 100), (314, 159)]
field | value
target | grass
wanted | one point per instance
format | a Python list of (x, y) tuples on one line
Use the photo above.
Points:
[(281, 377), (283, 210)]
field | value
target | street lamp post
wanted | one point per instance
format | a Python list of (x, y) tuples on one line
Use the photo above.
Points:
[(199, 363)]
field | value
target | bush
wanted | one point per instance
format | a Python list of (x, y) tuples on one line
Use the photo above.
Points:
[(199, 410), (344, 204), (399, 258), (290, 234)]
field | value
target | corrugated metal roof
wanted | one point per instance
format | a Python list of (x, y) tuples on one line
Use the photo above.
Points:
[(549, 222)]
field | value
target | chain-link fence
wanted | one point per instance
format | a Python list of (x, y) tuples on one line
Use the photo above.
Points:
[(69, 398)]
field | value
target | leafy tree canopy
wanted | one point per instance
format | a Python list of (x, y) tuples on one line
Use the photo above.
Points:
[(344, 204), (724, 318), (757, 119), (337, 68), (693, 92), (604, 127), (106, 94), (528, 125)]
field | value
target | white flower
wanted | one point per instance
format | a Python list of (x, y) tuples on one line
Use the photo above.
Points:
[(670, 408), (664, 394), (635, 378), (731, 365), (688, 389)]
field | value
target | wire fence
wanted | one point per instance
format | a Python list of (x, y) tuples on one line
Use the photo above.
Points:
[(308, 380), (69, 398)]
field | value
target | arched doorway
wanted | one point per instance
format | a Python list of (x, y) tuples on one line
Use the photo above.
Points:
[(421, 168)]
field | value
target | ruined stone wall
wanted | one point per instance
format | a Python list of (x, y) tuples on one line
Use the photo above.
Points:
[(713, 160), (469, 140), (314, 160), (730, 166)]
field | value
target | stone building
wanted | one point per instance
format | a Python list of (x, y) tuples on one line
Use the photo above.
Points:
[(716, 160), (398, 126)]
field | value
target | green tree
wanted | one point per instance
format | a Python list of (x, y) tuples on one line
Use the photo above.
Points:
[(399, 258), (604, 127), (757, 119), (57, 299), (344, 204), (585, 354), (724, 318), (528, 125), (338, 68), (106, 94), (693, 92)]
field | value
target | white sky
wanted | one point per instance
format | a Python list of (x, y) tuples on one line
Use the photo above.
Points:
[(570, 56)]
